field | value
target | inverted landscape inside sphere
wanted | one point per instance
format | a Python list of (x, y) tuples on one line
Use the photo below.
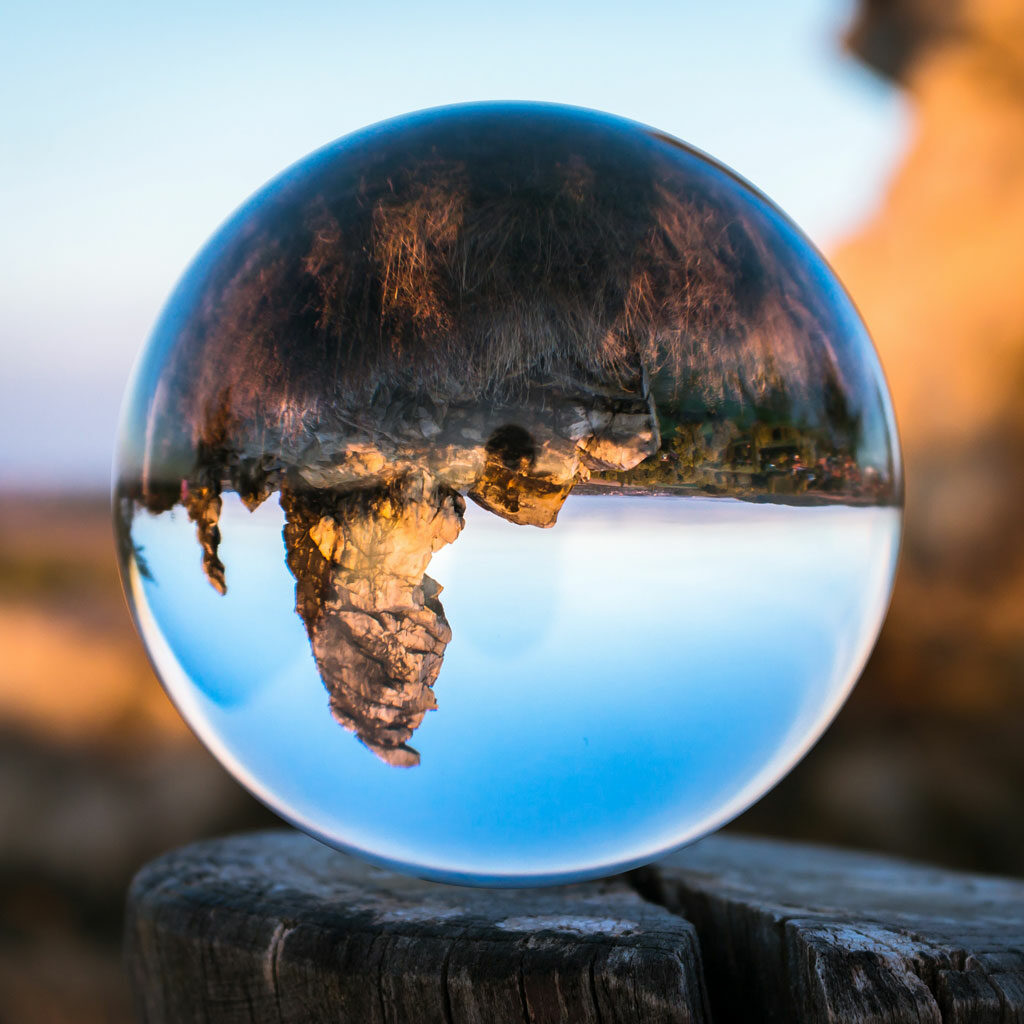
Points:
[(501, 303)]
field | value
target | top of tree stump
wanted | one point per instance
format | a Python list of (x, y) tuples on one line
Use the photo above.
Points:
[(275, 927), (825, 934)]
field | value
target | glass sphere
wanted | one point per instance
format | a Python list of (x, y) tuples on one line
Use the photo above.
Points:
[(508, 493)]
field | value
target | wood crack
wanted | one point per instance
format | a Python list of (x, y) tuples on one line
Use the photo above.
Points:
[(591, 976), (833, 935), (446, 995), (527, 1019)]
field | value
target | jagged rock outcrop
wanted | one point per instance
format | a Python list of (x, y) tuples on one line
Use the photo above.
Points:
[(359, 553), (367, 508), (376, 627), (203, 504)]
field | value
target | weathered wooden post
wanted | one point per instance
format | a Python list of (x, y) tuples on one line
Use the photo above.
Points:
[(274, 927)]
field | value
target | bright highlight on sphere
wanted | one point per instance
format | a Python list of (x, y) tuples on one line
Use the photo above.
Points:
[(508, 493)]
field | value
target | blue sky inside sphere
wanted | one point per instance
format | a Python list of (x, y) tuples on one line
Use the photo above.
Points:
[(613, 688), (129, 132)]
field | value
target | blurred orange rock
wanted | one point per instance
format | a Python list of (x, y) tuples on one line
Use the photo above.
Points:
[(939, 275)]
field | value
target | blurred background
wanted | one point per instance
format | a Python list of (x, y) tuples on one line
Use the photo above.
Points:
[(892, 131)]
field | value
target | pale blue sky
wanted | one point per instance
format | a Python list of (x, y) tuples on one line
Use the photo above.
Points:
[(129, 131)]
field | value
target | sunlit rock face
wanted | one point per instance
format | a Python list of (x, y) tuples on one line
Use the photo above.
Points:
[(480, 315)]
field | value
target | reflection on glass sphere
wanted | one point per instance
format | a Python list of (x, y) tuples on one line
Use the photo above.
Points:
[(509, 493)]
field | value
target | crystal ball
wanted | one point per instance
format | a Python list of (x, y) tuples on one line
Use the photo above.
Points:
[(508, 493)]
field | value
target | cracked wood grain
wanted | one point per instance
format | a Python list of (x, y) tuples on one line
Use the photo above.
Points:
[(792, 932), (274, 927)]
